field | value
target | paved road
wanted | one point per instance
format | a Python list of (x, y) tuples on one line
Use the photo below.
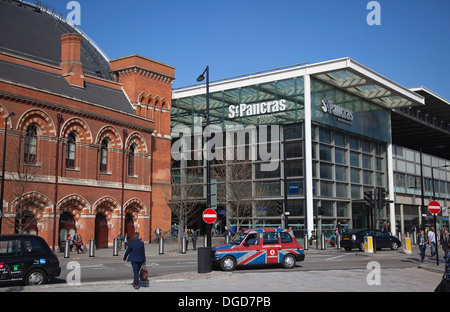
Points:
[(323, 271)]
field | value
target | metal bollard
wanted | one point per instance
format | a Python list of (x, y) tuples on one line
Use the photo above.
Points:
[(305, 242), (322, 241), (183, 246), (415, 237), (205, 241), (91, 248), (227, 239), (115, 247), (67, 249), (338, 241), (161, 245)]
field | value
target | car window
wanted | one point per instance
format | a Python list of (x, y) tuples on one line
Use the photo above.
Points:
[(285, 237), (270, 238), (33, 246), (252, 239), (381, 235), (10, 247)]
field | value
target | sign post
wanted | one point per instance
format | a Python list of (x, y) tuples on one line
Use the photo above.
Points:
[(434, 208)]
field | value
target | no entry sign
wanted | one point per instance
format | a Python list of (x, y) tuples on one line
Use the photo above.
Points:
[(209, 215), (434, 207)]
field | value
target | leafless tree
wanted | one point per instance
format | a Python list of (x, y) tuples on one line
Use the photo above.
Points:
[(182, 204), (235, 189), (22, 180)]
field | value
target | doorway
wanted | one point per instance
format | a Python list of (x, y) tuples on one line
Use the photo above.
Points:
[(101, 231), (129, 226)]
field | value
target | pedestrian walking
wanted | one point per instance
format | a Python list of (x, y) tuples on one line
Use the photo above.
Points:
[(432, 241), (445, 241), (422, 240), (227, 234), (194, 239), (136, 255), (186, 237), (174, 231)]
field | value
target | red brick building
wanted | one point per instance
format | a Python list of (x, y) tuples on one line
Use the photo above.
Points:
[(88, 139)]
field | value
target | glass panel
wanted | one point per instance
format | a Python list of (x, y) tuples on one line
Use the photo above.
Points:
[(325, 152)]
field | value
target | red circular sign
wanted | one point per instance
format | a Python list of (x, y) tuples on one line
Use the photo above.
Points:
[(434, 207), (209, 215)]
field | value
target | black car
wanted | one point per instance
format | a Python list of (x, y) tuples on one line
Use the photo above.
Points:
[(28, 259), (355, 239)]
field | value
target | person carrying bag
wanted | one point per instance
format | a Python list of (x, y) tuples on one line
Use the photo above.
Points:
[(136, 255)]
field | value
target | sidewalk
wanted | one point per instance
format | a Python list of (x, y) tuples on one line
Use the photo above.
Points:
[(425, 277)]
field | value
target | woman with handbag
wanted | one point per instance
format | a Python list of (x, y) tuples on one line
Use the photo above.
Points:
[(136, 255)]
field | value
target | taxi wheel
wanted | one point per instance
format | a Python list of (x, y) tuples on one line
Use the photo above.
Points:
[(228, 263), (35, 277), (289, 261)]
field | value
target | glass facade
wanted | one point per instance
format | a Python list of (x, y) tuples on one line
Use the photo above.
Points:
[(349, 137), (408, 189)]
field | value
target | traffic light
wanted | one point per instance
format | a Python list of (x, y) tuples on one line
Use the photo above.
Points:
[(280, 207), (368, 199), (381, 197)]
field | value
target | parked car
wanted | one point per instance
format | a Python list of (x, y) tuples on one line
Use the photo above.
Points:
[(28, 259), (259, 246), (355, 239)]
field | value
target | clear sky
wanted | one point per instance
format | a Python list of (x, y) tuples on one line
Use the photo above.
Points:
[(411, 46)]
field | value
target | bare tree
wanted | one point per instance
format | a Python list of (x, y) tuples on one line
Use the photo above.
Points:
[(237, 191), (182, 204), (22, 178)]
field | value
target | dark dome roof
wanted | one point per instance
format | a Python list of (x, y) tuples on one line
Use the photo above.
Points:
[(34, 32)]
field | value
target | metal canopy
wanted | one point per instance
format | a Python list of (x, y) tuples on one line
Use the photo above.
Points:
[(344, 73), (425, 127)]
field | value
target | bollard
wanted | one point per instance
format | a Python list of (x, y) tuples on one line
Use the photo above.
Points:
[(183, 246), (67, 249), (205, 241), (305, 242), (91, 248), (227, 239), (368, 244), (407, 244), (338, 241), (115, 247), (415, 237), (400, 236), (322, 242), (161, 245)]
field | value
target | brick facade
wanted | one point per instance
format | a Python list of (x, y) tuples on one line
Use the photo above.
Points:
[(99, 199)]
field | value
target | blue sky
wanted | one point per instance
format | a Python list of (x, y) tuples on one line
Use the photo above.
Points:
[(236, 37)]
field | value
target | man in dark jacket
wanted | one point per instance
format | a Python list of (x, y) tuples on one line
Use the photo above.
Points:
[(136, 255)]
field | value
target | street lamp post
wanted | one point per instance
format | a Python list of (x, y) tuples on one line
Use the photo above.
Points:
[(3, 170), (208, 162), (434, 215)]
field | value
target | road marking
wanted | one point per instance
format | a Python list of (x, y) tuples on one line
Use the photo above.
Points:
[(332, 258)]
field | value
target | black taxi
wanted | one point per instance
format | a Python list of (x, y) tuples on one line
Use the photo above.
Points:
[(27, 259)]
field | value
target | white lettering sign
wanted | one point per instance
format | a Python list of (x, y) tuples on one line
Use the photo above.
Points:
[(254, 109), (343, 114)]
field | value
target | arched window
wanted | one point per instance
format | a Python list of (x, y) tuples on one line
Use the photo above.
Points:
[(131, 160), (104, 156), (30, 150), (70, 151)]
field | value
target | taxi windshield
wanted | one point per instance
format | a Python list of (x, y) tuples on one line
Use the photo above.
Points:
[(239, 239)]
